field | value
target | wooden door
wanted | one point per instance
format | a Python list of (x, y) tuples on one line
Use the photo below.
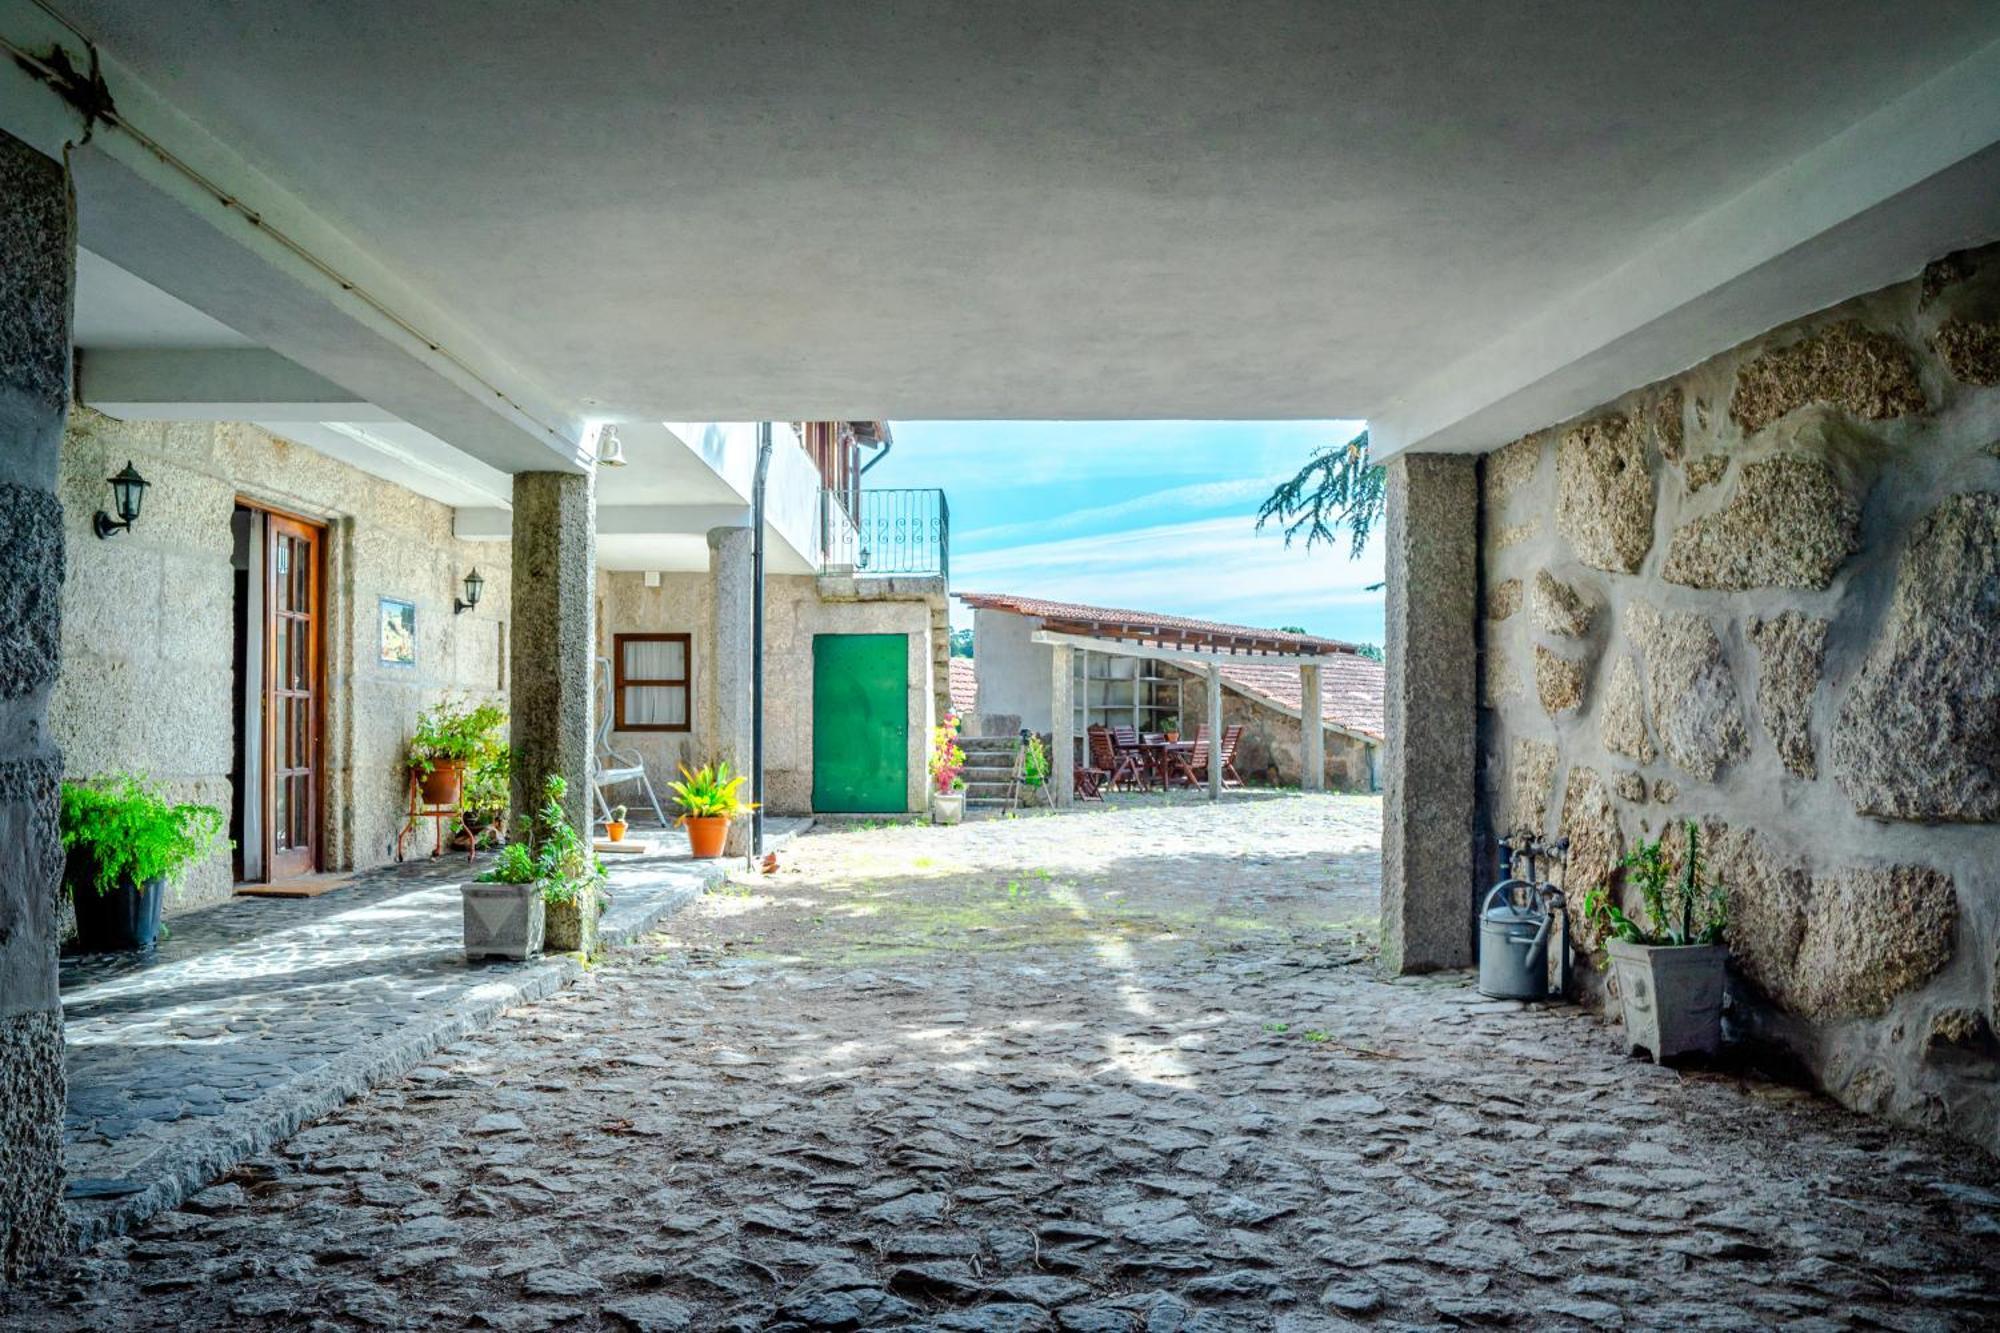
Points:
[(861, 723), (294, 619)]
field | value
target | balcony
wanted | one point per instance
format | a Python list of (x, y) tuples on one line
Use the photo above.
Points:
[(883, 534)]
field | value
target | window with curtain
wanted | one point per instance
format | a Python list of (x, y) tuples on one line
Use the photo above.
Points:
[(650, 676)]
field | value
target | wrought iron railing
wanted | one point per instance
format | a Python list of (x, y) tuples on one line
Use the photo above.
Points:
[(886, 532)]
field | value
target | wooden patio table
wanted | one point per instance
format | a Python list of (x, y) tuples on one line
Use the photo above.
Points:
[(1171, 762)]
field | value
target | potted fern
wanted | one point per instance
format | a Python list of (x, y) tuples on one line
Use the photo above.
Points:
[(708, 798), (125, 842), (1670, 971)]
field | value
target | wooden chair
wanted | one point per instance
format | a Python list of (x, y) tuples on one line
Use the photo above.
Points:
[(1230, 736), (1121, 766), (1128, 744), (1090, 783)]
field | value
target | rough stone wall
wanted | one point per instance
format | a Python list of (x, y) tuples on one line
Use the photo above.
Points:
[(1271, 750), (796, 608), (552, 662), (37, 284), (1765, 596), (148, 624)]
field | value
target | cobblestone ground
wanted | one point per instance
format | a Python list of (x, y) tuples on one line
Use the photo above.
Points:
[(1115, 1070)]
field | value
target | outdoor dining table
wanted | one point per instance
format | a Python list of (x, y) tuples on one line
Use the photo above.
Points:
[(1161, 756)]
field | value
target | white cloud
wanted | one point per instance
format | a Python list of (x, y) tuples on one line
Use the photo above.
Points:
[(1218, 568), (1166, 503)]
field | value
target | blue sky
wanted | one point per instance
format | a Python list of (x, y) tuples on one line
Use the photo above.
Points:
[(1152, 515)]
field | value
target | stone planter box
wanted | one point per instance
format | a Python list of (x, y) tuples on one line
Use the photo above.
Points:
[(572, 926), (947, 807), (503, 920), (1672, 997)]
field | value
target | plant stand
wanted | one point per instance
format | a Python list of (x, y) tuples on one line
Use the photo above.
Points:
[(437, 814)]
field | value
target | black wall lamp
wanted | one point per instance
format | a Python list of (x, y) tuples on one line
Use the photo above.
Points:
[(128, 492), (474, 585)]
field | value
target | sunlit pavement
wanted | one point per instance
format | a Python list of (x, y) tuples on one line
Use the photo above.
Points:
[(1120, 1069)]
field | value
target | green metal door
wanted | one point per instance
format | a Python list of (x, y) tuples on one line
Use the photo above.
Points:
[(861, 723)]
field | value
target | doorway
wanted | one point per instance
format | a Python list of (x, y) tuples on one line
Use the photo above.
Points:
[(861, 723), (279, 693)]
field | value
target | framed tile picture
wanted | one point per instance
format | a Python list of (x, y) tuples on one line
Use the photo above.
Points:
[(399, 632)]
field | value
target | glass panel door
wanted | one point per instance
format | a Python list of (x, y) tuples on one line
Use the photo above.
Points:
[(293, 619)]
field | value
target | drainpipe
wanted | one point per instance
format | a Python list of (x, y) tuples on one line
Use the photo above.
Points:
[(757, 640)]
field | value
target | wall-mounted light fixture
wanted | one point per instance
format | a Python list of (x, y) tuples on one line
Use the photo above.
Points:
[(474, 585), (610, 449), (128, 492)]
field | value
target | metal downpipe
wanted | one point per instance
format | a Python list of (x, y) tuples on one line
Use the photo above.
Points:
[(757, 640)]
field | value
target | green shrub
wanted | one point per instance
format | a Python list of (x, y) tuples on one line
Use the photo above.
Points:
[(1034, 763), (551, 852), (132, 831), (1688, 908)]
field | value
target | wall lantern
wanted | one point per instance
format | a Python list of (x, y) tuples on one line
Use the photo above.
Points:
[(474, 585), (610, 449), (128, 492)]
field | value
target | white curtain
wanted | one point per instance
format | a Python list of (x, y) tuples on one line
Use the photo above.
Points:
[(655, 705)]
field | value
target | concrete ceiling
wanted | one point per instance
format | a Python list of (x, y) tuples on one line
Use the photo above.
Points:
[(719, 211)]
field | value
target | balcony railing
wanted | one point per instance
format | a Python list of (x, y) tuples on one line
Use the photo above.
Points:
[(883, 533)]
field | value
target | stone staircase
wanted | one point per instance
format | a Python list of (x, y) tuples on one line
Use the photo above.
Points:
[(992, 773)]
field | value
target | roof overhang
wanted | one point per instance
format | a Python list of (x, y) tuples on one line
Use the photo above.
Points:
[(1199, 656)]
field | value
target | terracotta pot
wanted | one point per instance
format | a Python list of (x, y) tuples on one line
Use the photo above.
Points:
[(1173, 736), (443, 783), (615, 830), (706, 835)]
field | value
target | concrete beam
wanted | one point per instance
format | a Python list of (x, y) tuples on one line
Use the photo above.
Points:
[(493, 524), (169, 202), (1431, 712), (1179, 656), (1918, 178), (1312, 732), (1062, 724), (213, 384)]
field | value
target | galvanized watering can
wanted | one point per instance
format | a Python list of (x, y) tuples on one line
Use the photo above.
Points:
[(1519, 922)]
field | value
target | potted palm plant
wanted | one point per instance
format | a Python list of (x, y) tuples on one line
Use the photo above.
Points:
[(709, 798), (125, 843), (1670, 971), (946, 766), (1171, 725), (451, 736)]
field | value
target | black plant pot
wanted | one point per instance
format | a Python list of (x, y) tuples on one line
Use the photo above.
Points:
[(120, 919)]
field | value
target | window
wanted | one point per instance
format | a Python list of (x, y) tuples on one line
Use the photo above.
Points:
[(650, 674)]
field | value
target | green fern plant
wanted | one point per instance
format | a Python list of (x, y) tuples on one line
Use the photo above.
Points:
[(131, 830)]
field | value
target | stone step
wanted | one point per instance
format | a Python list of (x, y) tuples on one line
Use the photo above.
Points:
[(988, 745), (991, 772)]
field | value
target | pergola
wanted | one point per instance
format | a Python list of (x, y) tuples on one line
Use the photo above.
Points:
[(1196, 647)]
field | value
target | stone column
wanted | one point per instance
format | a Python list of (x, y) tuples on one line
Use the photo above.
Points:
[(551, 661), (732, 571), (1431, 712), (37, 273), (1312, 732), (1062, 725), (1214, 732)]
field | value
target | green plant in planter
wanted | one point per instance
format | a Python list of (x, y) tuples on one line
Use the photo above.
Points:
[(452, 731), (133, 833), (1682, 909), (550, 853), (710, 792), (1034, 763), (487, 779)]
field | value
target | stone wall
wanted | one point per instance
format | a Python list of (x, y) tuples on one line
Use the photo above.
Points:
[(796, 608), (1272, 746), (1765, 596), (148, 624)]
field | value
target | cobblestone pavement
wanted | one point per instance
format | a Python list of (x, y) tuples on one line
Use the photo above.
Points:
[(257, 1014), (1115, 1070)]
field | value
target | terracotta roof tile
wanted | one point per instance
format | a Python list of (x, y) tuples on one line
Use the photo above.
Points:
[(964, 686), (1277, 639), (1350, 689)]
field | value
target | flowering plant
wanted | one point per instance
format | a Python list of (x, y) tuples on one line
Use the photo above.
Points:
[(947, 759)]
